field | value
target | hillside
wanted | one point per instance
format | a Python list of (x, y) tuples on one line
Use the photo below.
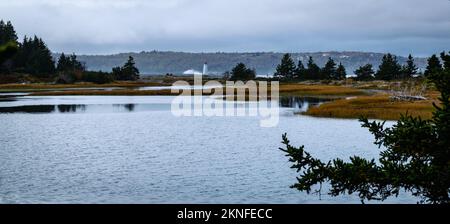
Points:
[(156, 62)]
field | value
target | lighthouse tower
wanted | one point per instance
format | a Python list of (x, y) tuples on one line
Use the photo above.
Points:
[(205, 69)]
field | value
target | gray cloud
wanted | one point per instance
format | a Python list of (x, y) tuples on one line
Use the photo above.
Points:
[(100, 26)]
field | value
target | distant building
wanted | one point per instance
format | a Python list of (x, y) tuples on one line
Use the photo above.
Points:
[(205, 69)]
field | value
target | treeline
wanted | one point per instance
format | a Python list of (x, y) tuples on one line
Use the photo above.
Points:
[(288, 70), (33, 57), (389, 69)]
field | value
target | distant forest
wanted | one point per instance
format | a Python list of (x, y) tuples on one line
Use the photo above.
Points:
[(157, 62)]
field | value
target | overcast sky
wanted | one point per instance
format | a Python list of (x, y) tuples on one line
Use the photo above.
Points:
[(421, 27)]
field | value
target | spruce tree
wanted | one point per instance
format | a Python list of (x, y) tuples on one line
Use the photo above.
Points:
[(240, 72), (35, 58), (329, 70), (434, 66), (364, 73), (127, 72), (62, 63), (7, 51), (7, 33), (341, 73), (286, 69), (300, 71), (410, 69), (69, 63), (389, 69), (8, 38), (313, 70)]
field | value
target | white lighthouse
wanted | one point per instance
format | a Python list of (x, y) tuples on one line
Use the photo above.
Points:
[(205, 69)]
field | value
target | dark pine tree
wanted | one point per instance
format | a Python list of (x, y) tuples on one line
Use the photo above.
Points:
[(313, 70), (286, 69), (329, 70), (8, 37), (410, 69), (240, 72), (364, 73), (62, 63), (7, 33), (389, 69), (446, 59), (35, 58), (434, 66), (7, 51), (341, 73), (130, 69), (300, 71), (69, 63), (127, 72)]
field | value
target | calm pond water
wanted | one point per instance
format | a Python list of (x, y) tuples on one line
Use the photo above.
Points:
[(131, 149)]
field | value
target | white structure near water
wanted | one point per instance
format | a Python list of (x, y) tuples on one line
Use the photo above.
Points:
[(205, 69), (195, 72)]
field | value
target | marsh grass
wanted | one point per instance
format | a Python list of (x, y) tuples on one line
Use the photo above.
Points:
[(375, 107), (319, 90), (115, 92), (45, 86)]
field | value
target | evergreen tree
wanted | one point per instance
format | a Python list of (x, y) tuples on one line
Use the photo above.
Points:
[(389, 68), (70, 70), (329, 70), (69, 63), (416, 157), (341, 73), (35, 58), (313, 70), (364, 73), (62, 63), (7, 51), (241, 73), (446, 59), (286, 69), (300, 72), (434, 66), (127, 72), (410, 69), (8, 37), (130, 70), (7, 33)]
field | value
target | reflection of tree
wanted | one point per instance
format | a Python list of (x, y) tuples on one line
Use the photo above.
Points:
[(70, 108), (298, 102), (28, 109), (129, 107)]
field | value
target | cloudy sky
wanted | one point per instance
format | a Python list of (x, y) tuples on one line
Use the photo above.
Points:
[(421, 27)]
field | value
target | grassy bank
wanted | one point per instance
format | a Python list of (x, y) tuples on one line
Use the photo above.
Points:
[(376, 107), (319, 90), (115, 92), (47, 86)]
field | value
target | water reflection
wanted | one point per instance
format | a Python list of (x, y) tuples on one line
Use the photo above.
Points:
[(129, 107), (301, 103), (68, 108), (28, 109), (45, 105), (71, 108)]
